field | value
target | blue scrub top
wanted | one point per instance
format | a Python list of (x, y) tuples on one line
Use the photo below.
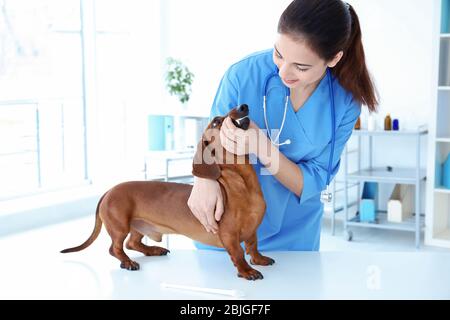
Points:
[(290, 222)]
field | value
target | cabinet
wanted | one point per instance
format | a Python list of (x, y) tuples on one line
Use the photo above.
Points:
[(172, 142), (438, 196)]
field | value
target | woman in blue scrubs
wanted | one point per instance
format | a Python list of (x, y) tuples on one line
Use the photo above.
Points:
[(314, 36)]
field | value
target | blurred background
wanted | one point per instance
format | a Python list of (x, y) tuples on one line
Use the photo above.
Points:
[(85, 101)]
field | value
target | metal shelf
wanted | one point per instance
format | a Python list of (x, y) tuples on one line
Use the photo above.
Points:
[(382, 223), (382, 175), (442, 190), (422, 130)]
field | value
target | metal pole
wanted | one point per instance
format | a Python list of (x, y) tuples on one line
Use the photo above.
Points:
[(418, 193), (38, 147), (345, 191), (333, 217), (63, 159), (84, 88), (358, 196), (166, 178)]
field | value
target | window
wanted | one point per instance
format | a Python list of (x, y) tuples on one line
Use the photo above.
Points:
[(41, 101)]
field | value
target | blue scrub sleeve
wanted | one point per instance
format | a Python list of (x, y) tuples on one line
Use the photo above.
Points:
[(315, 170), (227, 96)]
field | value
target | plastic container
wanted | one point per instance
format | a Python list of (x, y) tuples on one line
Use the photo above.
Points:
[(445, 19), (369, 202), (395, 125), (401, 203), (446, 173)]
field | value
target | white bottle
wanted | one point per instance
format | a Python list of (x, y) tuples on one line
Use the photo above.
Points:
[(370, 123)]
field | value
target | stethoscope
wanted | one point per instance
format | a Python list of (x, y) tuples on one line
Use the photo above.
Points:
[(325, 196)]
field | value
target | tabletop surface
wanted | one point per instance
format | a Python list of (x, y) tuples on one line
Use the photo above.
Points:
[(93, 274)]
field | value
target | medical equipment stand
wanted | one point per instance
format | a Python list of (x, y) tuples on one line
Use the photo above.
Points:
[(412, 176)]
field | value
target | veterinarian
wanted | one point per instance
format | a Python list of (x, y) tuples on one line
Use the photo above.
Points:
[(318, 52)]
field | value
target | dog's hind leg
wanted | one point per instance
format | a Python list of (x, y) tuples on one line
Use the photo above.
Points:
[(116, 250), (135, 243)]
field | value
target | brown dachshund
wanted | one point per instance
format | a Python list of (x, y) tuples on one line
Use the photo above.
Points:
[(155, 208)]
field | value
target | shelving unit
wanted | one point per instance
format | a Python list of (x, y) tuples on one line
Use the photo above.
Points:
[(438, 198), (412, 176)]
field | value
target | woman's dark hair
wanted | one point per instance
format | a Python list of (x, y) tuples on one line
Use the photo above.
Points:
[(329, 26)]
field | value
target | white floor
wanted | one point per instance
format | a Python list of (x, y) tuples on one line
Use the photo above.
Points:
[(31, 258)]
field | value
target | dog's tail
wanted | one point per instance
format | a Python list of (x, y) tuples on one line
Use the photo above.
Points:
[(95, 232)]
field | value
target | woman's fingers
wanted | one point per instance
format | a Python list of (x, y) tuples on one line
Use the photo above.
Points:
[(219, 207), (227, 143)]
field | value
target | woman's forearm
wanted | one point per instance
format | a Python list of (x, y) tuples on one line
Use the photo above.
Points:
[(283, 169)]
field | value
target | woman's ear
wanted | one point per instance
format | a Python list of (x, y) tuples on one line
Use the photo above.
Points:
[(336, 59), (204, 164)]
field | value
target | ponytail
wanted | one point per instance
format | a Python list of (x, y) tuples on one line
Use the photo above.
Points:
[(352, 70)]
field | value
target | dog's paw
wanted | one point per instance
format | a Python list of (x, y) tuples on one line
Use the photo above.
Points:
[(130, 265), (156, 251), (251, 274), (262, 261)]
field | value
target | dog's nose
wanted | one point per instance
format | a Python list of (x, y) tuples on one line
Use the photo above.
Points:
[(243, 108)]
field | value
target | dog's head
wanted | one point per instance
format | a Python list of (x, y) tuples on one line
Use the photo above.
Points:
[(205, 164)]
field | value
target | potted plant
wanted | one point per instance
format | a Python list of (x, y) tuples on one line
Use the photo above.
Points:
[(179, 80)]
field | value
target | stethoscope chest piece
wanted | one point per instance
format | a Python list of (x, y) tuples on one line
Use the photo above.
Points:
[(326, 196)]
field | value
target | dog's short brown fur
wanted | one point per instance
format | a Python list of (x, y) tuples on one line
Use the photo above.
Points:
[(154, 208)]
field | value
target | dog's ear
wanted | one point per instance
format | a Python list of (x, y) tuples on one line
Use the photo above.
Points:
[(204, 164)]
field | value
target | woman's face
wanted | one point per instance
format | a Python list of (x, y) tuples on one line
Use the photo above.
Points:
[(298, 65)]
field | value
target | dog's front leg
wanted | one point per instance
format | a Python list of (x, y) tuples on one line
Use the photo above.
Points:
[(251, 248), (232, 245)]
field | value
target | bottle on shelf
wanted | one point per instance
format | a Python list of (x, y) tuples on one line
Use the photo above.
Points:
[(395, 125), (388, 122), (371, 123), (358, 124)]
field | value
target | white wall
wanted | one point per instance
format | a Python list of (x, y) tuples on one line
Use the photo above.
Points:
[(398, 43), (211, 35), (397, 37)]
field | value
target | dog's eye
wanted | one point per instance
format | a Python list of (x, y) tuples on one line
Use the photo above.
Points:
[(216, 122)]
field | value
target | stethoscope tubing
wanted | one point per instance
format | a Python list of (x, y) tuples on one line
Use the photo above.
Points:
[(287, 95)]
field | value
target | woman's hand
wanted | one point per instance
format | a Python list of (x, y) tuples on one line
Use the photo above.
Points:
[(241, 142), (206, 203)]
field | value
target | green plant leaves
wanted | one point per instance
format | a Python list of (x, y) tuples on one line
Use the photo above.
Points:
[(179, 79)]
